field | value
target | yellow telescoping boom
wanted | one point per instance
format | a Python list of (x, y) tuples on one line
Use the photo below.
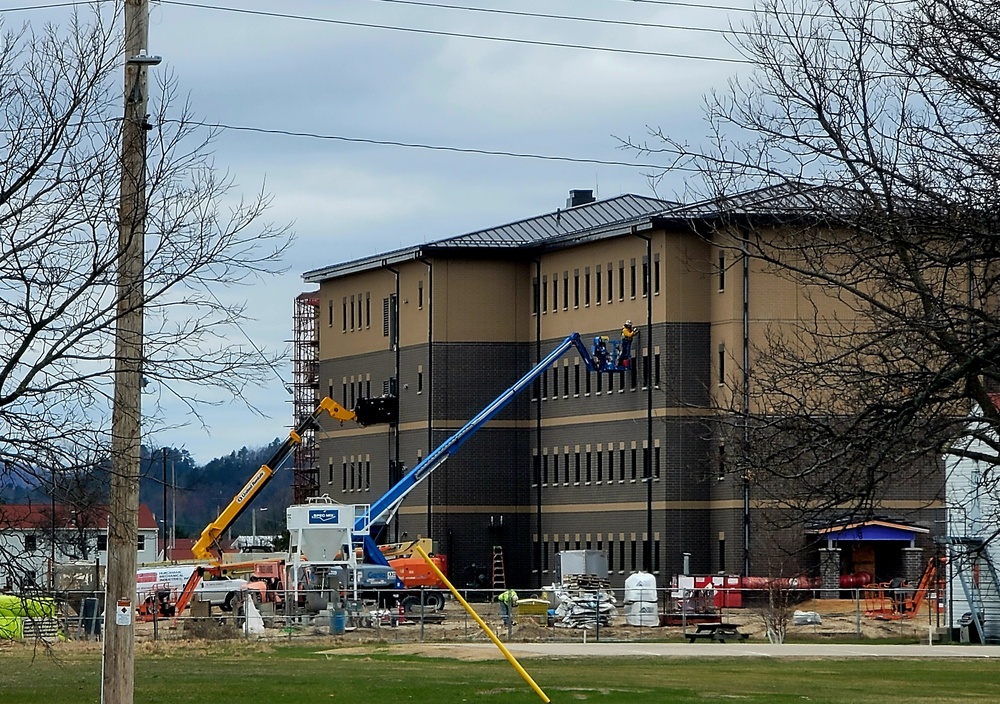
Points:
[(214, 530)]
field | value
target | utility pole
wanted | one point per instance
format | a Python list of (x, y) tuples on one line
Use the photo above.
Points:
[(118, 667)]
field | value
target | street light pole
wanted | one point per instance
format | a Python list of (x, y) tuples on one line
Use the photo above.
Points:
[(118, 670)]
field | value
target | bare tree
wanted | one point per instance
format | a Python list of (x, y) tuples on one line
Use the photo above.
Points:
[(859, 163), (60, 146)]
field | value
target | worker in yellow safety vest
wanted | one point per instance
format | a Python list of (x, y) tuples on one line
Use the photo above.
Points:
[(508, 602), (625, 349)]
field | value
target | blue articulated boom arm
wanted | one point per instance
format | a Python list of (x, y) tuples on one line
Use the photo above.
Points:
[(387, 503)]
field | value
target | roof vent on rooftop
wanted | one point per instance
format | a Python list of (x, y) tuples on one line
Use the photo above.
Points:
[(578, 197)]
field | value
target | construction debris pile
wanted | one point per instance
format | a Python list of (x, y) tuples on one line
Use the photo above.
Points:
[(580, 608), (584, 595)]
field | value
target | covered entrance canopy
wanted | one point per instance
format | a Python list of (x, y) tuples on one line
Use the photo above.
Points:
[(875, 546), (871, 530)]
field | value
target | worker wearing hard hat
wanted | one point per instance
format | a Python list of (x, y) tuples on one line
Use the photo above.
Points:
[(625, 350), (508, 602)]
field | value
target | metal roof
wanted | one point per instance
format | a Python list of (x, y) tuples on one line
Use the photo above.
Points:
[(571, 221), (781, 200), (604, 216)]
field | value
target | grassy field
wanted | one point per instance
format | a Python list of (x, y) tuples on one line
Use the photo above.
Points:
[(223, 674)]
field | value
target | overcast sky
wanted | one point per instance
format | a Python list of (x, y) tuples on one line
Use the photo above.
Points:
[(306, 74)]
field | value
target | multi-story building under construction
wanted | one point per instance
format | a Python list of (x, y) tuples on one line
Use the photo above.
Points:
[(627, 463)]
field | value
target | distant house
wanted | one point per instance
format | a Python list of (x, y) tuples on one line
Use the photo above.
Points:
[(34, 536)]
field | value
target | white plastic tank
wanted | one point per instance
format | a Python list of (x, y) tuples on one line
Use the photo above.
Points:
[(640, 586), (641, 600)]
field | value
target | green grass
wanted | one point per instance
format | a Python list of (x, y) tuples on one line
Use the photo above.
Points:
[(223, 674)]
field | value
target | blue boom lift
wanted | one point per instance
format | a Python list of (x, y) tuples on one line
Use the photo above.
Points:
[(382, 510)]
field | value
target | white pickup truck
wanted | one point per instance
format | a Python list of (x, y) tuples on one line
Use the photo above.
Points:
[(218, 592)]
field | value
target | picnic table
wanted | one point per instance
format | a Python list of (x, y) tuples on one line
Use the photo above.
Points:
[(717, 633)]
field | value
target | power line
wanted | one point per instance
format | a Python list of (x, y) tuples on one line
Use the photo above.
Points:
[(54, 5), (572, 18), (434, 147), (459, 35)]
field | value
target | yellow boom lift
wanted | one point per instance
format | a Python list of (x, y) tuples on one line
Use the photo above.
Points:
[(245, 496)]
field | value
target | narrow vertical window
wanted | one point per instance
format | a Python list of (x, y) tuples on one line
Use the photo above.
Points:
[(344, 395), (344, 475), (722, 271), (611, 554), (555, 292), (420, 294), (368, 475), (656, 274), (611, 465), (621, 555), (645, 276), (420, 381), (329, 472), (343, 314), (566, 381), (621, 279), (555, 382), (586, 383), (545, 469), (368, 309), (656, 556), (586, 286), (545, 386), (576, 288), (621, 464), (565, 290), (597, 283), (534, 296), (634, 464), (385, 317), (587, 468), (536, 469), (634, 562), (330, 313), (576, 467), (611, 280), (656, 370), (722, 364), (656, 462), (600, 466), (631, 278), (576, 379), (545, 293)]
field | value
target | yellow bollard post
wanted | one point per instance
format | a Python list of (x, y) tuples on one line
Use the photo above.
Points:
[(482, 624)]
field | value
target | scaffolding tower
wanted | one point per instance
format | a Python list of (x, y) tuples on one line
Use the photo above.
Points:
[(305, 393)]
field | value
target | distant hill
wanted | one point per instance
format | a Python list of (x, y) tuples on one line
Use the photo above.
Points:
[(202, 492)]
